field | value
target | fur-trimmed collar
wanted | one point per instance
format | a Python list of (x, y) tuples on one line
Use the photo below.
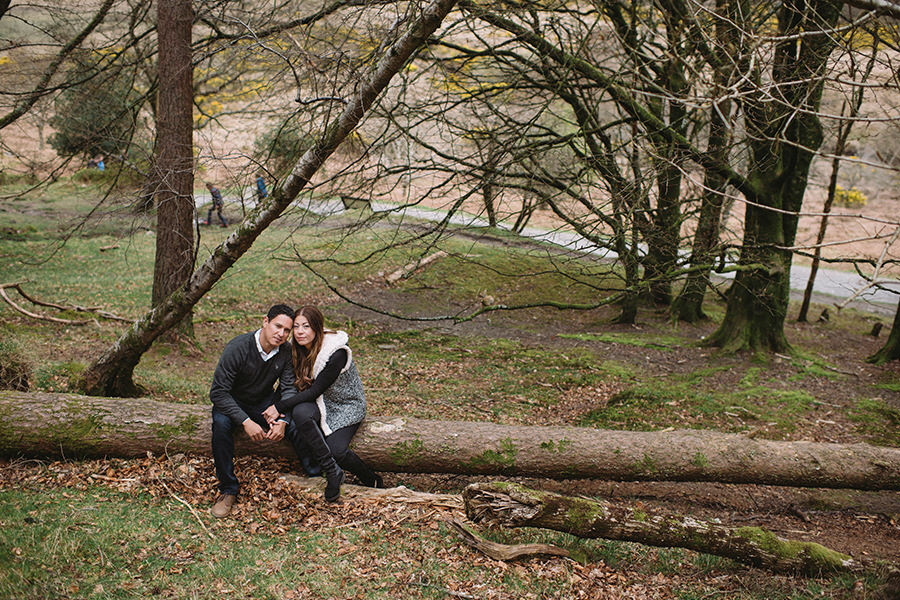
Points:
[(332, 342)]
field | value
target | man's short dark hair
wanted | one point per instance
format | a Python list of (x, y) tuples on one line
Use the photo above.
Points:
[(280, 309)]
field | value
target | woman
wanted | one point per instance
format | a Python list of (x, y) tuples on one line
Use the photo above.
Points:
[(330, 405)]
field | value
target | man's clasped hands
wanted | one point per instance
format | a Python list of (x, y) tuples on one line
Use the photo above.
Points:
[(277, 426)]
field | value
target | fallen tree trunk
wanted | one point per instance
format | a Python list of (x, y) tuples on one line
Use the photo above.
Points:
[(513, 505), (52, 424)]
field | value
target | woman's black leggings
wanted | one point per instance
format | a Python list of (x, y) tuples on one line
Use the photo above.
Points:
[(306, 418)]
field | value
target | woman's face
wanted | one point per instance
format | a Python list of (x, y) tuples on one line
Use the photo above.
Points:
[(303, 332)]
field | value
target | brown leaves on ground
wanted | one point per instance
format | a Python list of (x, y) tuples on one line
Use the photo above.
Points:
[(272, 504), (269, 503)]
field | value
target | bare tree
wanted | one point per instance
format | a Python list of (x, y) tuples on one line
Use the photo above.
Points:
[(714, 103), (112, 373)]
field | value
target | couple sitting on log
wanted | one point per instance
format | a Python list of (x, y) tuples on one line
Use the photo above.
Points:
[(318, 403)]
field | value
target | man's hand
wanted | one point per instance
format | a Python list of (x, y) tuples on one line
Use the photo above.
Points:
[(271, 414), (254, 431), (276, 431)]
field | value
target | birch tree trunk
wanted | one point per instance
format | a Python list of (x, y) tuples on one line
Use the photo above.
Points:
[(44, 424)]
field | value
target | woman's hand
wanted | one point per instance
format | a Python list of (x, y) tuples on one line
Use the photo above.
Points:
[(276, 431), (271, 414)]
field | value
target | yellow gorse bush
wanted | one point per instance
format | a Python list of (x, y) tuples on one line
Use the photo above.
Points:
[(852, 198)]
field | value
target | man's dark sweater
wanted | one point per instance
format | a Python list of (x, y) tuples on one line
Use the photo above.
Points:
[(242, 377)]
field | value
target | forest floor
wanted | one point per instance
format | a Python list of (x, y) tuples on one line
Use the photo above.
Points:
[(538, 366)]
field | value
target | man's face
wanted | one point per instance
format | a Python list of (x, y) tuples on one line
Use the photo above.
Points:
[(275, 332)]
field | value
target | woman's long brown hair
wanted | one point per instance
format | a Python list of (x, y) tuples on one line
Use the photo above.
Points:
[(305, 359)]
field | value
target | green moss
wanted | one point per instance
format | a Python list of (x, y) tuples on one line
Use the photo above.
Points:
[(560, 446), (700, 461), (74, 438), (183, 426), (647, 465), (570, 471), (639, 516), (816, 554), (502, 460), (405, 453), (81, 428), (642, 341), (581, 515)]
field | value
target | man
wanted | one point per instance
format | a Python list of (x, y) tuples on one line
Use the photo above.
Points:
[(243, 387), (261, 192), (217, 205)]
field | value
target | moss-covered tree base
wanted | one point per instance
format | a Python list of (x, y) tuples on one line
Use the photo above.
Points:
[(891, 348), (754, 319)]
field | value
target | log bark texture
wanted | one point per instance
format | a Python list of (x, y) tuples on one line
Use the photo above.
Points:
[(52, 424), (513, 505)]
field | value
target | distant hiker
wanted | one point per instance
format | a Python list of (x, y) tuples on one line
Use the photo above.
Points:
[(330, 404), (261, 192), (217, 204), (243, 387), (100, 164)]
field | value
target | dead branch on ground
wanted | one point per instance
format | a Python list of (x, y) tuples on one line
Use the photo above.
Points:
[(96, 310)]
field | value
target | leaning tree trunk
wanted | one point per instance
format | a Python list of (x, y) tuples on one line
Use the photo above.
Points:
[(112, 374), (43, 424), (513, 505)]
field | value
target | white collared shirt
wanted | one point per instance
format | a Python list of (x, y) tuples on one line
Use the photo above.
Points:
[(262, 352)]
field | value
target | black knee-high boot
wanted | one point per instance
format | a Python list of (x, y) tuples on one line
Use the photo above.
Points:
[(334, 475), (353, 463)]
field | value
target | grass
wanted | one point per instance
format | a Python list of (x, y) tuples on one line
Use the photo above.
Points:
[(132, 547), (16, 371), (687, 401), (95, 543), (471, 377), (137, 546), (877, 420), (640, 341)]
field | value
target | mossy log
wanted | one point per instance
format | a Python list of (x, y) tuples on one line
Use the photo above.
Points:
[(53, 425), (513, 505)]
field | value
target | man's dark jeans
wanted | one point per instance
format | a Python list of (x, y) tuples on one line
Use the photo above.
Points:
[(223, 443)]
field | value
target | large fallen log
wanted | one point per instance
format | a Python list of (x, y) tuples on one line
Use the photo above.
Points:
[(513, 505), (53, 425)]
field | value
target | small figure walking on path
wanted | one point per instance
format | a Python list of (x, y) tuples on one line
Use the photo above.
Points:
[(261, 192), (217, 204)]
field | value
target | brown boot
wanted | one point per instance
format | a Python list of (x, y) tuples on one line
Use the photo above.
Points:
[(222, 507)]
